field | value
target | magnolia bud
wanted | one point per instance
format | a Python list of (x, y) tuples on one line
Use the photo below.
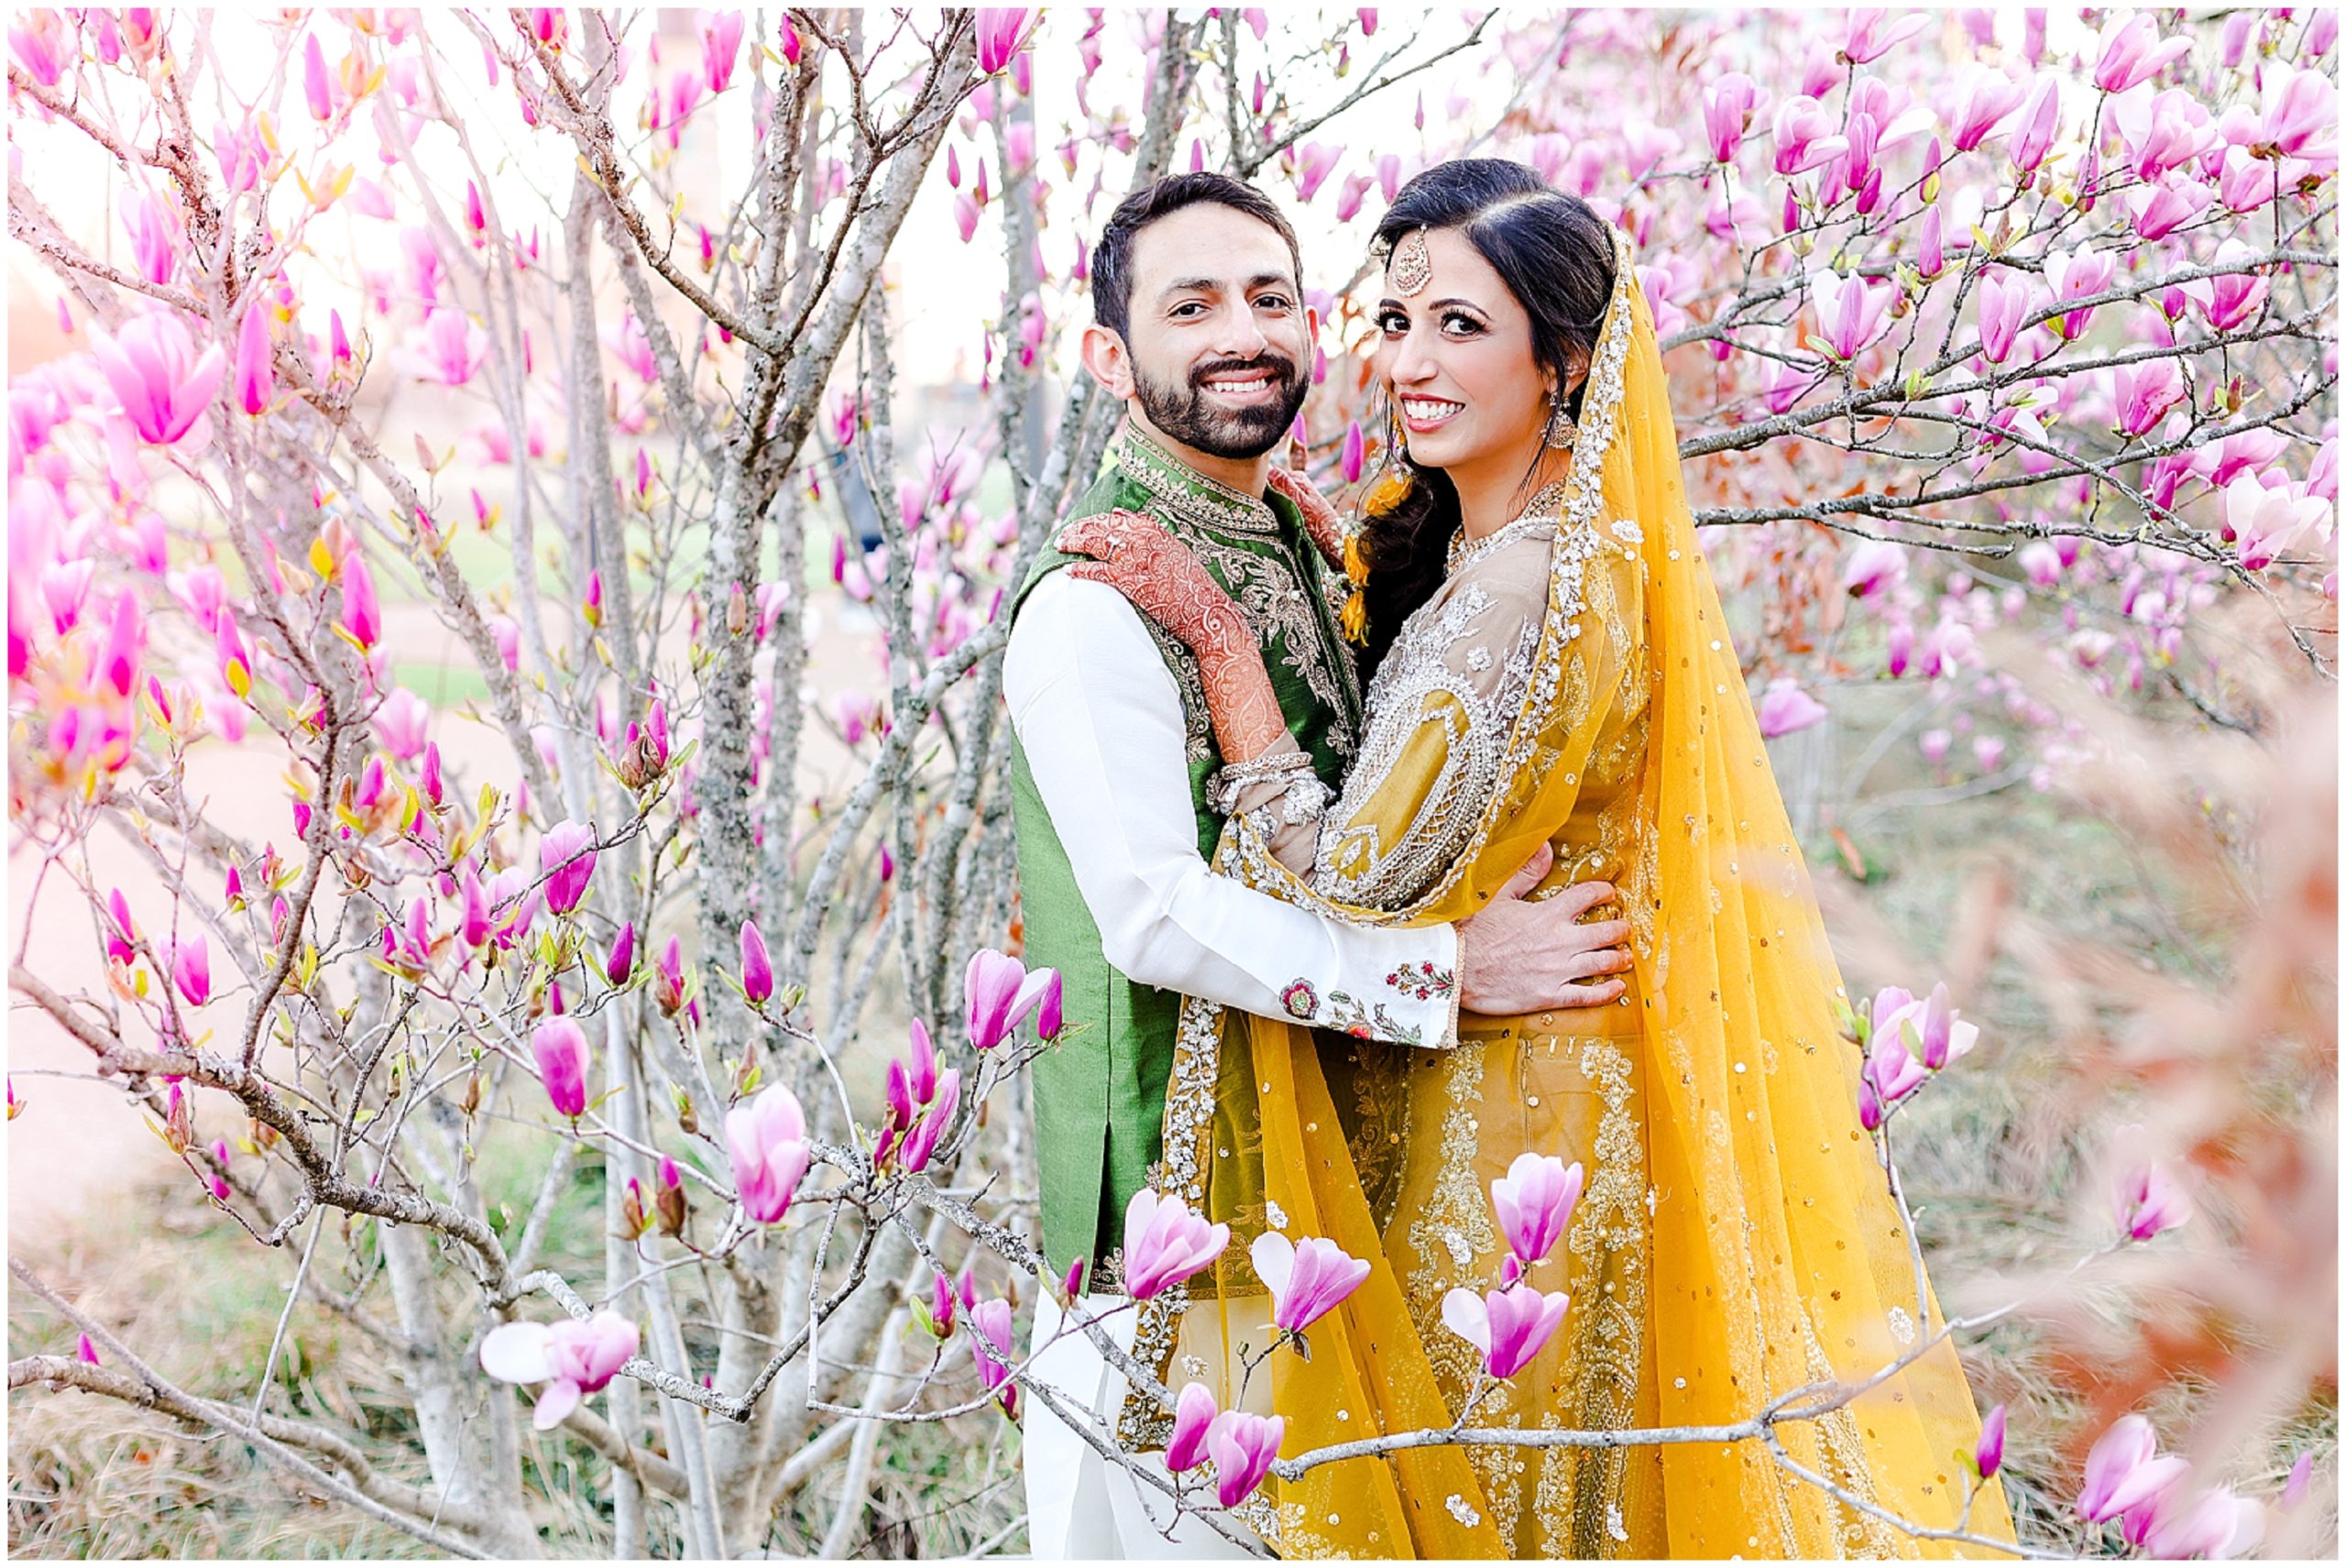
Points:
[(671, 1199), (633, 1221)]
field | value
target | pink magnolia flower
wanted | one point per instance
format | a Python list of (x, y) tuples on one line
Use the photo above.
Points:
[(1890, 1074), (2077, 275), (120, 932), (2148, 1201), (2162, 130), (1727, 113), (453, 348), (1314, 162), (117, 661), (2300, 114), (163, 383), (402, 722), (64, 588), (621, 963), (2300, 1481), (2231, 298), (1510, 1326), (256, 375), (1534, 1201), (1851, 313), (2004, 303), (559, 1046), (767, 1141), (41, 45), (2039, 121), (994, 1340), (999, 30), (566, 855), (1241, 1447), (668, 980), (192, 969), (2265, 522), (720, 46), (1164, 1244), (1874, 567), (1785, 707), (2144, 393), (2132, 52), (2180, 1521), (1930, 253), (152, 241), (1869, 40), (361, 616), (1305, 1281), (572, 1358), (2161, 210), (473, 925), (1806, 135), (921, 1141), (757, 968), (2123, 1469), (2041, 562), (317, 83), (1988, 103), (2247, 182), (1193, 1415), (1939, 1033), (1989, 1458), (1000, 992)]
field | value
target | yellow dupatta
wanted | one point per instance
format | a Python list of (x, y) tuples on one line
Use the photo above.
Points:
[(1771, 1256)]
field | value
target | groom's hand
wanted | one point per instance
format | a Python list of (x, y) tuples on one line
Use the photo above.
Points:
[(1519, 956)]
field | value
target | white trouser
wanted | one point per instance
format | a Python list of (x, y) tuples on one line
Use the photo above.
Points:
[(1081, 1504)]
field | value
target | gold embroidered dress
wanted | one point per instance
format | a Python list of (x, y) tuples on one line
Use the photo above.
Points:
[(1571, 681)]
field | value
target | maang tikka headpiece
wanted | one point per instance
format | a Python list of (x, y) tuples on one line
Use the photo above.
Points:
[(1412, 268)]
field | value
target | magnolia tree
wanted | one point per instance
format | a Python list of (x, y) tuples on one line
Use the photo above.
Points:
[(2004, 355)]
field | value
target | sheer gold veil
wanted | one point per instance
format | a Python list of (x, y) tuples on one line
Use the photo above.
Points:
[(1778, 1259)]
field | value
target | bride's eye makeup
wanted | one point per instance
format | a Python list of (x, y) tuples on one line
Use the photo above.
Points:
[(1394, 322)]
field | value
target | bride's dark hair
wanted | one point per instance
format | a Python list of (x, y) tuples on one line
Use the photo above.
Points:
[(1555, 255)]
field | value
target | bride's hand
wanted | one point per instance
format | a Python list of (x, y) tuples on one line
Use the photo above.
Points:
[(1320, 519), (1131, 552)]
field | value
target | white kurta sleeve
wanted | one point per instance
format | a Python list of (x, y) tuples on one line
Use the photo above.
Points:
[(1101, 720)]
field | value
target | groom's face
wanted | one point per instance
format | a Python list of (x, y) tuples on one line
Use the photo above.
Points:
[(1220, 340)]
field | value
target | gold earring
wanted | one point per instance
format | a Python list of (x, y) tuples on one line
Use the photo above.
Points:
[(1561, 431)]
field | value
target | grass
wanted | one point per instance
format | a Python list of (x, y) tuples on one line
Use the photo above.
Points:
[(90, 1477)]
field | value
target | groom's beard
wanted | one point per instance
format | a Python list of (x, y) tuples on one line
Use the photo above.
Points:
[(1183, 413)]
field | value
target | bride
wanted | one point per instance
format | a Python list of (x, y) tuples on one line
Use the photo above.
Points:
[(1551, 668)]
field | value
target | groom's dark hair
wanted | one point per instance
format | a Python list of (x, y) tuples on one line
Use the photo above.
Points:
[(1112, 260)]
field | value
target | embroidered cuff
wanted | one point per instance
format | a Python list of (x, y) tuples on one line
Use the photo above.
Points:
[(1229, 785)]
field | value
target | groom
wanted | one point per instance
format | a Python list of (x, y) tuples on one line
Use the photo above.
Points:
[(1201, 331)]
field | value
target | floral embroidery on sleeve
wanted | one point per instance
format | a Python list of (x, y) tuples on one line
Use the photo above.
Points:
[(1424, 980), (1348, 1013)]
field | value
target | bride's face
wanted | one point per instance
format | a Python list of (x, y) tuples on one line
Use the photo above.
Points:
[(1456, 359)]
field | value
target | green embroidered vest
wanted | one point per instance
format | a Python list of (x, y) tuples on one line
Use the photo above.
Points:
[(1100, 1092)]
